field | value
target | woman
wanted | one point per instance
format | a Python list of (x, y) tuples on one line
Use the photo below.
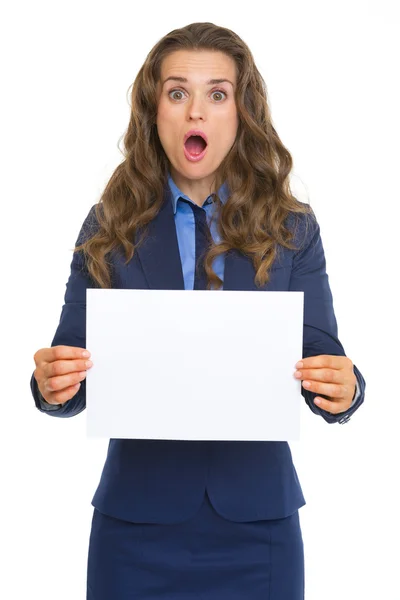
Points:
[(205, 176)]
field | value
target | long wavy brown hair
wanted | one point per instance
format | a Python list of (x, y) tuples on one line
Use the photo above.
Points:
[(256, 169)]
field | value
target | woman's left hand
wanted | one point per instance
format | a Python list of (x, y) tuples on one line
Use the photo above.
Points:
[(330, 375)]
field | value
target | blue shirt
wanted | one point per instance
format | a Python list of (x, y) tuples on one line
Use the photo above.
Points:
[(186, 228)]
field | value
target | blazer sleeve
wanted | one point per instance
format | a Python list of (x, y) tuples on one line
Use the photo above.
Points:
[(320, 332), (71, 330)]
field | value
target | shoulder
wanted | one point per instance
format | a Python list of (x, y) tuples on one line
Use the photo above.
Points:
[(90, 225), (304, 226)]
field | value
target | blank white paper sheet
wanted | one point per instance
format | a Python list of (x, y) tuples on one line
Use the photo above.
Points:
[(194, 364)]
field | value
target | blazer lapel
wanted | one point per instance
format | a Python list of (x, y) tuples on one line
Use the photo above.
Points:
[(159, 253), (239, 272), (161, 263)]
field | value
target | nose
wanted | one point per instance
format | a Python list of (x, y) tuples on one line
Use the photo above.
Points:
[(196, 108)]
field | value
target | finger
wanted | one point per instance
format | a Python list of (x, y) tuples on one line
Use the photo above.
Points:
[(332, 390), (332, 406), (62, 353), (323, 374), (62, 396), (56, 384), (63, 367), (324, 360)]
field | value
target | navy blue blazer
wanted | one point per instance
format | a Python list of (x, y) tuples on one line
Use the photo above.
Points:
[(164, 480)]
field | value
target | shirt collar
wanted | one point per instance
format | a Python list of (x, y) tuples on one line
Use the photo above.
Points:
[(176, 193)]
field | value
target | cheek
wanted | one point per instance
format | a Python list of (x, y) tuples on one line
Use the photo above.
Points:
[(163, 133), (166, 111), (166, 122), (228, 128), (234, 120)]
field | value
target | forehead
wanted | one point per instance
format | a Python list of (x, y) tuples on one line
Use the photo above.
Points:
[(198, 65)]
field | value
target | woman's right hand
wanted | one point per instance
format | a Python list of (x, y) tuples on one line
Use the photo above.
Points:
[(59, 371)]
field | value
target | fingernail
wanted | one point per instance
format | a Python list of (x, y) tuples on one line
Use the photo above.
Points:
[(317, 401), (299, 365)]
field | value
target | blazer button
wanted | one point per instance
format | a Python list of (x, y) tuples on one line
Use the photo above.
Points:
[(344, 420)]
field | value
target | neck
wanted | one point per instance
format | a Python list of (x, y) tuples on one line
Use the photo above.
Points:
[(196, 189)]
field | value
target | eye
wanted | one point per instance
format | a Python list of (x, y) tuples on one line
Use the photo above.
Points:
[(178, 91), (219, 92), (175, 92)]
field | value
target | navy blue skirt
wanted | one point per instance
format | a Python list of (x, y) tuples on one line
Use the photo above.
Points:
[(206, 557)]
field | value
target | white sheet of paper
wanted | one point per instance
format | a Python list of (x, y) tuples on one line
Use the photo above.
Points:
[(194, 364)]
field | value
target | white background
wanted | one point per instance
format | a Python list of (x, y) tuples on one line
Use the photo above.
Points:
[(330, 70)]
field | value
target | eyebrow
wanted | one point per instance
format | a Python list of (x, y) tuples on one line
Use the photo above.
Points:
[(184, 80)]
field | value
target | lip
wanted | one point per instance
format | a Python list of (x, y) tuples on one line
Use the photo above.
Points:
[(194, 158), (195, 132)]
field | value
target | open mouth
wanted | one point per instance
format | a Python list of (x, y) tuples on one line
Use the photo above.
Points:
[(195, 145)]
